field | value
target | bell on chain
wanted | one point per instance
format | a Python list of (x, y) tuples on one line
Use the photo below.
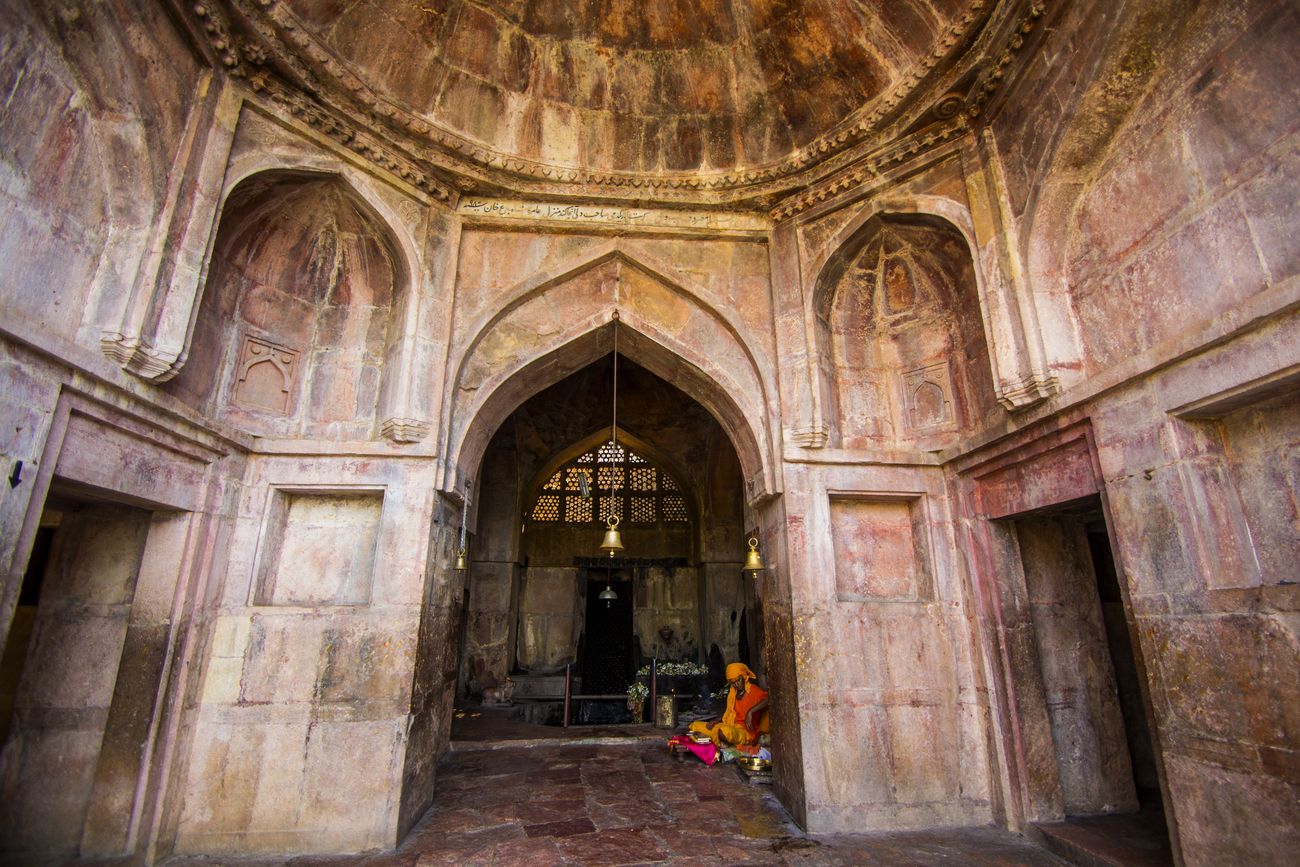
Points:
[(613, 540)]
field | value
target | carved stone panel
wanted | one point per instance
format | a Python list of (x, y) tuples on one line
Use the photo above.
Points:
[(927, 396), (265, 375)]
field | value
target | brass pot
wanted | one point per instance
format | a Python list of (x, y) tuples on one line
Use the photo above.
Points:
[(754, 763), (666, 712)]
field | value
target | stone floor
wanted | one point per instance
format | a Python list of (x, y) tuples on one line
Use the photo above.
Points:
[(605, 803), (511, 793), (636, 804)]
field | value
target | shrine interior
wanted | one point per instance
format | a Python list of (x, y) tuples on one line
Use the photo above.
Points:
[(937, 359)]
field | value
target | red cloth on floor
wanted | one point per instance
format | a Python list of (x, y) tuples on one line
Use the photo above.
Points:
[(707, 753)]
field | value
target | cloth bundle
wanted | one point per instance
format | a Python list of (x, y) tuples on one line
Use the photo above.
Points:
[(707, 753)]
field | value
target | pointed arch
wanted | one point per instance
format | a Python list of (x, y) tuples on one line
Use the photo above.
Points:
[(359, 186), (560, 322)]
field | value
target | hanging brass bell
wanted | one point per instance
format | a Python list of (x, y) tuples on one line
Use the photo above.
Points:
[(608, 595), (613, 541), (753, 562), (462, 561)]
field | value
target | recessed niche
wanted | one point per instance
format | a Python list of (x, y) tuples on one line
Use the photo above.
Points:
[(1242, 476), (319, 548), (879, 549), (927, 393)]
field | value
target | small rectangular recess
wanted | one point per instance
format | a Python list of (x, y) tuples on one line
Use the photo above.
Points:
[(318, 546), (1240, 474), (880, 546)]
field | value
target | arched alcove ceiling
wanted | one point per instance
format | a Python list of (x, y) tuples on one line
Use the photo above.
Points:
[(871, 232), (263, 200), (666, 99)]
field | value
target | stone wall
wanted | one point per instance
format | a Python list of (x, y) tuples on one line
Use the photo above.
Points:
[(883, 653), (282, 358), (1153, 188)]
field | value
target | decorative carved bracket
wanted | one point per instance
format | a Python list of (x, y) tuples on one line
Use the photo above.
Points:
[(1026, 393), (405, 430), (814, 437), (139, 358)]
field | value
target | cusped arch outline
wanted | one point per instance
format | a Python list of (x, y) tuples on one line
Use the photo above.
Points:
[(559, 322)]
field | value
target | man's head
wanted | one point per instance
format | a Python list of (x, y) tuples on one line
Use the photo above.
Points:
[(738, 674)]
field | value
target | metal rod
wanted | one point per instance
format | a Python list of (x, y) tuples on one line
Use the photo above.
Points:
[(464, 517), (654, 684), (613, 427), (567, 680)]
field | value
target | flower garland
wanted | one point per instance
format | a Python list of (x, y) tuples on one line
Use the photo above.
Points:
[(674, 669), (638, 691)]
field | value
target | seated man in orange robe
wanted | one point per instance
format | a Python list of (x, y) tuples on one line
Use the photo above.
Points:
[(745, 716)]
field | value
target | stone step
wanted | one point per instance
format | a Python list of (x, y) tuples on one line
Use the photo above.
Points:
[(1128, 840)]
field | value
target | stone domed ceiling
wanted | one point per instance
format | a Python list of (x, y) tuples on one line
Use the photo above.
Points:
[(628, 86)]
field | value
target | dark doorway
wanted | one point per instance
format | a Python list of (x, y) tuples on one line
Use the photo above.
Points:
[(24, 619), (1138, 736), (1091, 677), (607, 635)]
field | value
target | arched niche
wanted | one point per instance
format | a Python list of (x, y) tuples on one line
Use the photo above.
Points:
[(562, 324), (299, 313), (900, 335)]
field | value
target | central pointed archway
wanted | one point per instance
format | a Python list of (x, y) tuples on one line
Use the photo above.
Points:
[(677, 484)]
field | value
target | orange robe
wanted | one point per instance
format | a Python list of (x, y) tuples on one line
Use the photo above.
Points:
[(732, 728)]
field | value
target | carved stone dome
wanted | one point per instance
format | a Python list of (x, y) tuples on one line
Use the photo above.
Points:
[(669, 87)]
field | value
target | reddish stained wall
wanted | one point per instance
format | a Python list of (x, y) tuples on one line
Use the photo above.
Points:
[(299, 265), (1172, 173), (84, 157)]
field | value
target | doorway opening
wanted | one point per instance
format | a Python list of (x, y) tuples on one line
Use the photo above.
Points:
[(608, 652), (549, 479), (60, 679), (1105, 756)]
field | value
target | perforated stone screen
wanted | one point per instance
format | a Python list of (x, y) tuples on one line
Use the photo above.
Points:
[(618, 481)]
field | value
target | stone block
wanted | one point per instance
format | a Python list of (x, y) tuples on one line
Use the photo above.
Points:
[(920, 773), (1200, 270), (365, 661), (221, 681), (351, 774), (1245, 105), (46, 786), (280, 785), (1268, 200), (914, 651), (1229, 817), (1156, 173), (73, 660), (221, 789), (848, 758), (282, 659)]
